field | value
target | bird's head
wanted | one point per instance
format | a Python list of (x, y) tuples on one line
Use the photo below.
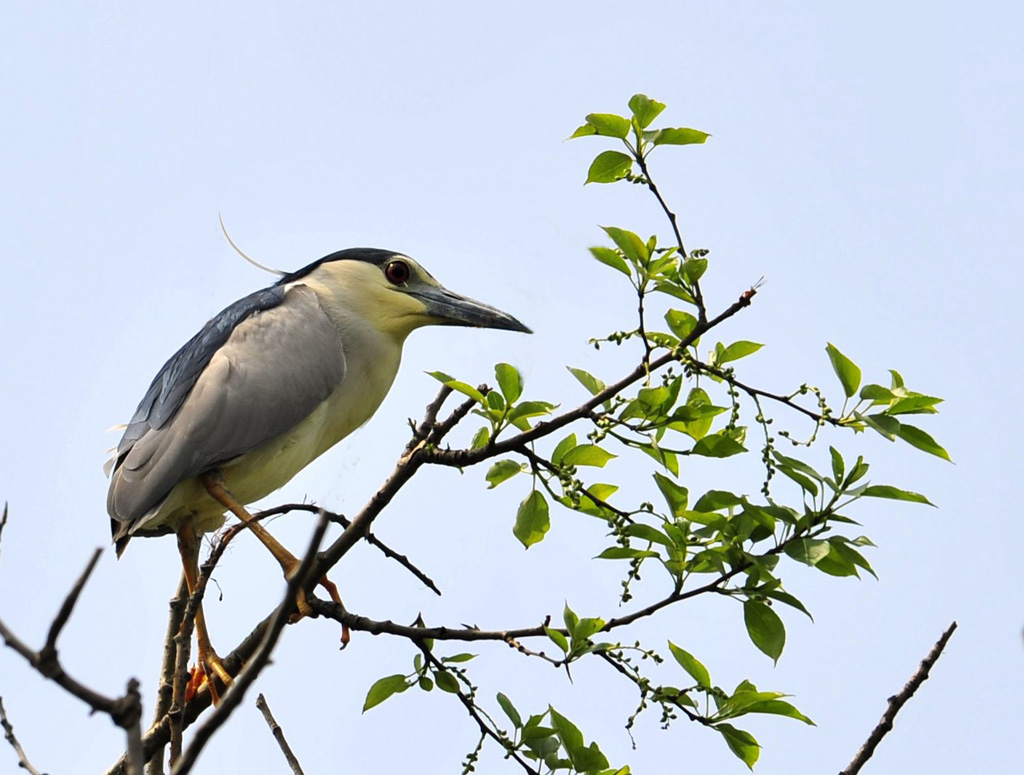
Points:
[(393, 293)]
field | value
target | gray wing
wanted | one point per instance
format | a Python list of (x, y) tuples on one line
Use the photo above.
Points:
[(252, 373)]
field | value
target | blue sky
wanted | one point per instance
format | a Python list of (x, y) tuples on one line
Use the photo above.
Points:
[(865, 160)]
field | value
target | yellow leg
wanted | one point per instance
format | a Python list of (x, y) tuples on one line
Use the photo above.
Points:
[(214, 484), (209, 662)]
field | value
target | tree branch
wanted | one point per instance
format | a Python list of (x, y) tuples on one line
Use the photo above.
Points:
[(896, 702), (23, 761), (278, 733), (259, 660)]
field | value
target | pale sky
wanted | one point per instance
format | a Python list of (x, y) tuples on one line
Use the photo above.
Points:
[(866, 160)]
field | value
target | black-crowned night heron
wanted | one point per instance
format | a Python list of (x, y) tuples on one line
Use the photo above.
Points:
[(269, 384)]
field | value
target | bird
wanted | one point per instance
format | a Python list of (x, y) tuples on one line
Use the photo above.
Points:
[(269, 384)]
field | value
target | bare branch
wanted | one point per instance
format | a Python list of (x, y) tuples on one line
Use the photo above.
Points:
[(23, 761), (3, 522), (896, 702), (236, 692), (278, 733), (69, 605), (370, 538)]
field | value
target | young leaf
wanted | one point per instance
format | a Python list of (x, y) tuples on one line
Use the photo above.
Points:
[(676, 495), (624, 553), (678, 136), (741, 743), (510, 382), (645, 110), (510, 711), (558, 639), (587, 455), (532, 520), (384, 688), (446, 682), (738, 350), (609, 125), (847, 371), (916, 437), (681, 323), (608, 167), (568, 732), (629, 243), (838, 466), (502, 471), (562, 447), (894, 493), (588, 380), (718, 445), (691, 665), (765, 628), (462, 387), (609, 257)]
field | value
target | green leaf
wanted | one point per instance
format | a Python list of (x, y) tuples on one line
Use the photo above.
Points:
[(894, 493), (570, 618), (456, 658), (648, 533), (587, 455), (738, 350), (495, 402), (691, 665), (916, 437), (645, 110), (510, 382), (584, 131), (609, 125), (779, 708), (847, 371), (884, 424), (838, 467), (682, 324), (698, 428), (876, 393), (567, 731), (510, 711), (676, 495), (384, 688), (589, 759), (558, 639), (525, 409), (461, 387), (532, 520), (480, 438), (608, 167), (678, 136), (765, 628), (502, 471), (588, 380), (562, 447), (915, 404), (587, 627), (629, 243), (446, 682), (693, 269), (625, 553), (740, 743), (718, 445), (610, 258), (809, 551), (716, 500)]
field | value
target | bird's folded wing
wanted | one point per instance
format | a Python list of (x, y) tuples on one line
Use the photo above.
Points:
[(253, 373)]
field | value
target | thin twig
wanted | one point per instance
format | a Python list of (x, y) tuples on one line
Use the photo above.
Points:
[(370, 538), (470, 705), (896, 702), (3, 522), (278, 733), (236, 692), (23, 761)]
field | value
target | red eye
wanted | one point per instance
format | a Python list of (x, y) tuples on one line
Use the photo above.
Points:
[(397, 272)]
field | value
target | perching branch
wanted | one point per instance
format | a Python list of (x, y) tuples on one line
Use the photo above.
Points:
[(896, 702), (259, 660)]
